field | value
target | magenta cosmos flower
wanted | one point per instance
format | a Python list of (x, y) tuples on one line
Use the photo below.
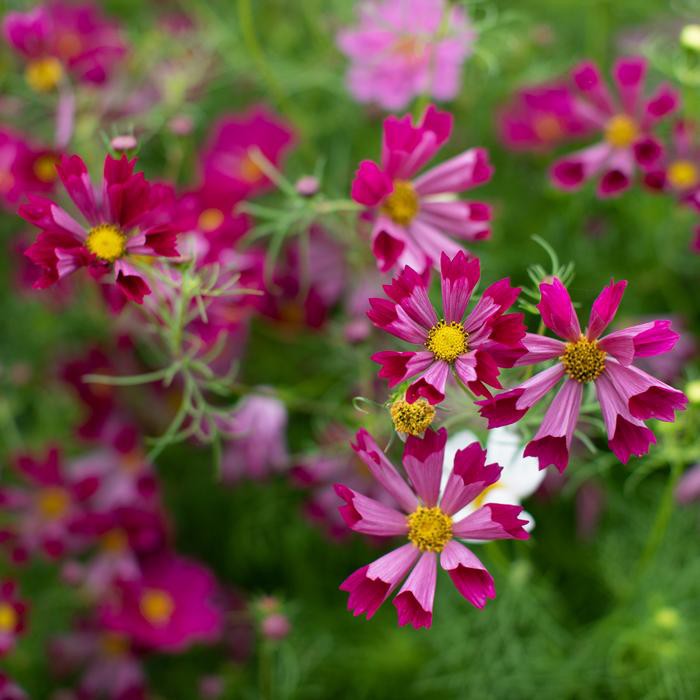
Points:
[(427, 522), (627, 395), (474, 348), (9, 690), (13, 616), (60, 38), (413, 214), (405, 48), (124, 223), (626, 122)]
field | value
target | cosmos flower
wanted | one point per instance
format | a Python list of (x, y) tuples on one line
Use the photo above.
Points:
[(9, 690), (627, 395), (412, 214), (626, 121), (404, 48), (427, 520), (473, 348), (13, 616), (124, 225), (62, 38)]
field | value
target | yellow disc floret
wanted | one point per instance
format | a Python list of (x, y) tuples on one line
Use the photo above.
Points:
[(8, 618), (583, 360), (53, 502), (682, 174), (210, 219), (447, 341), (107, 242), (547, 127), (402, 205), (44, 74), (156, 606), (621, 131), (45, 167), (412, 418), (429, 529)]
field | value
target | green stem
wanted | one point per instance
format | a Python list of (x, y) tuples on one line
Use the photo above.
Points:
[(131, 380)]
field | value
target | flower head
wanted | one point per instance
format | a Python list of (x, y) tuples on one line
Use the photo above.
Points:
[(412, 213), (13, 616), (428, 519)]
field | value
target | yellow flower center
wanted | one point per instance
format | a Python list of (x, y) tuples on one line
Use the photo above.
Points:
[(156, 606), (115, 541), (429, 529), (68, 44), (248, 170), (411, 418), (53, 502), (210, 219), (447, 341), (45, 167), (583, 360), (114, 644), (408, 47), (8, 618), (682, 174), (43, 74), (402, 205), (547, 127), (7, 181), (621, 131), (107, 242)]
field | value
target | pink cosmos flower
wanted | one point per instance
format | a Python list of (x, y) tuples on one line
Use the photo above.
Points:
[(405, 48), (169, 608), (9, 690), (229, 159), (474, 348), (60, 38), (688, 488), (411, 215), (13, 616), (124, 224), (626, 122), (427, 522), (627, 395), (538, 118)]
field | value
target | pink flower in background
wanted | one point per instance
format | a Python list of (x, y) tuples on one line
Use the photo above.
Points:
[(688, 488), (9, 690), (60, 38), (124, 224), (229, 159), (627, 395), (412, 215), (626, 121), (404, 48), (170, 607), (472, 347), (13, 616), (539, 118), (426, 520)]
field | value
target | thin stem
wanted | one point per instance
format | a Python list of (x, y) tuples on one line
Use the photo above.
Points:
[(132, 380)]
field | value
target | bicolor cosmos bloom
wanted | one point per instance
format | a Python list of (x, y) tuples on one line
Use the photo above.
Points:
[(13, 616), (627, 395), (474, 348), (404, 48), (413, 213), (170, 607), (427, 520), (541, 117), (626, 121), (62, 38), (229, 160), (124, 223)]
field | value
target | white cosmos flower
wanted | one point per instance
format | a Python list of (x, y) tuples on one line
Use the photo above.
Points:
[(520, 477)]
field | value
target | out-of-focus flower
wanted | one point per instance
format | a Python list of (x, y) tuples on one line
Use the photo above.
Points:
[(539, 118), (307, 186), (258, 444), (229, 159), (9, 690), (126, 142), (627, 395), (688, 489), (13, 616), (275, 626), (62, 38), (170, 607), (474, 348), (626, 122), (404, 48), (411, 215), (428, 521), (124, 225), (590, 499), (212, 687)]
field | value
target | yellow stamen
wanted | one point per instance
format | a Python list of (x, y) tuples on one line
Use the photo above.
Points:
[(408, 47), (429, 529), (45, 167), (8, 618), (447, 341), (248, 170), (411, 418), (43, 74), (53, 502), (621, 131), (114, 644), (547, 127), (107, 242), (402, 205), (583, 360), (68, 44), (682, 174), (115, 541), (156, 606), (210, 219)]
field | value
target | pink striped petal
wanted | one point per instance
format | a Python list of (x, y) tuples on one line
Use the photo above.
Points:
[(363, 514), (604, 308), (414, 603), (469, 476), (557, 311), (422, 459), (459, 276), (493, 521), (468, 574)]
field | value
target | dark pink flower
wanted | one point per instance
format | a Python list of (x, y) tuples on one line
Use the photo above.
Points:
[(170, 607), (124, 224), (412, 215), (474, 348), (426, 520), (9, 690), (626, 121), (627, 395), (13, 616)]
